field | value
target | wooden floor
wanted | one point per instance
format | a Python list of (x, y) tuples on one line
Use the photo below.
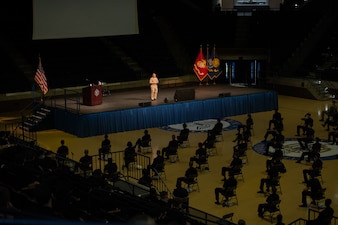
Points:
[(292, 109)]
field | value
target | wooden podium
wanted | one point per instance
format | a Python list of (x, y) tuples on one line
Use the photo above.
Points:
[(92, 95)]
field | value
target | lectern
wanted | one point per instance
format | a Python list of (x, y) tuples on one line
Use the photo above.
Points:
[(92, 95)]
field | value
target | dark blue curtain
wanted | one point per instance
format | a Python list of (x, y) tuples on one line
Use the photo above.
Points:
[(162, 115)]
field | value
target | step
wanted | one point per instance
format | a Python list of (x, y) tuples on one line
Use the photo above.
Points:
[(46, 110)]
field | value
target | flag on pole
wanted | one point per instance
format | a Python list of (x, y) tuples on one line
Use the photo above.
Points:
[(214, 65), (200, 66), (40, 78)]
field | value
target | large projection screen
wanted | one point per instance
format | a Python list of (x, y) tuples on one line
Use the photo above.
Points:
[(83, 18)]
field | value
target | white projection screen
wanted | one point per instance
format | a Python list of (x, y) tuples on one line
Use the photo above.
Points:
[(59, 19)]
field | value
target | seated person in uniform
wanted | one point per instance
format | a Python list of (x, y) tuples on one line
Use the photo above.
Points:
[(184, 134)]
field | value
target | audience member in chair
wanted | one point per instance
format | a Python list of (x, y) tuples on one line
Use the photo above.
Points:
[(276, 119), (241, 148), (110, 170), (144, 141), (268, 181), (129, 154), (273, 197), (309, 137), (172, 147), (86, 161), (235, 163), (158, 162), (316, 148), (277, 156), (313, 189), (325, 216), (179, 191), (315, 168), (307, 123), (218, 128), (227, 190), (277, 165), (276, 142), (334, 135), (190, 175), (332, 111), (184, 134), (105, 146), (146, 179), (210, 140), (200, 156)]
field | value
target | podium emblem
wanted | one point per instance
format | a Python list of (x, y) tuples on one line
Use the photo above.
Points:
[(96, 92)]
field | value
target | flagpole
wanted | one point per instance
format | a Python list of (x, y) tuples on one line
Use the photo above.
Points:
[(207, 84), (201, 50), (213, 58)]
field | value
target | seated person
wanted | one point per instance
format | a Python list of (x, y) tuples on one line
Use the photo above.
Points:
[(234, 165), (110, 170), (316, 148), (129, 154), (144, 141), (200, 155), (86, 161), (180, 196), (240, 148), (210, 140), (276, 119), (307, 123), (179, 191), (270, 200), (172, 147), (276, 142), (273, 173), (184, 134), (309, 137), (227, 190), (334, 135), (330, 121), (146, 179), (325, 216), (313, 189), (277, 155), (105, 144), (316, 167), (158, 162), (332, 111), (218, 128), (190, 175)]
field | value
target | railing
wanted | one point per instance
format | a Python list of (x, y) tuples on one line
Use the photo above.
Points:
[(206, 218), (299, 221), (70, 97)]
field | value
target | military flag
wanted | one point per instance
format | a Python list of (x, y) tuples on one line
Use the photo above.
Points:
[(200, 67), (214, 64)]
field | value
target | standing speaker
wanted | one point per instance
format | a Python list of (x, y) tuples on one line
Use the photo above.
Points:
[(184, 94)]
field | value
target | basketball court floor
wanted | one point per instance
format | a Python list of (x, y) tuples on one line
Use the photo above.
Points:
[(292, 109)]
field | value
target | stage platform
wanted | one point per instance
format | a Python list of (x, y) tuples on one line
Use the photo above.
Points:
[(132, 109)]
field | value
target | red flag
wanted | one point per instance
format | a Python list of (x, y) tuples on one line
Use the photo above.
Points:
[(41, 79), (200, 66)]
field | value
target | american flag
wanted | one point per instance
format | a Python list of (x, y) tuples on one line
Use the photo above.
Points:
[(41, 79)]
